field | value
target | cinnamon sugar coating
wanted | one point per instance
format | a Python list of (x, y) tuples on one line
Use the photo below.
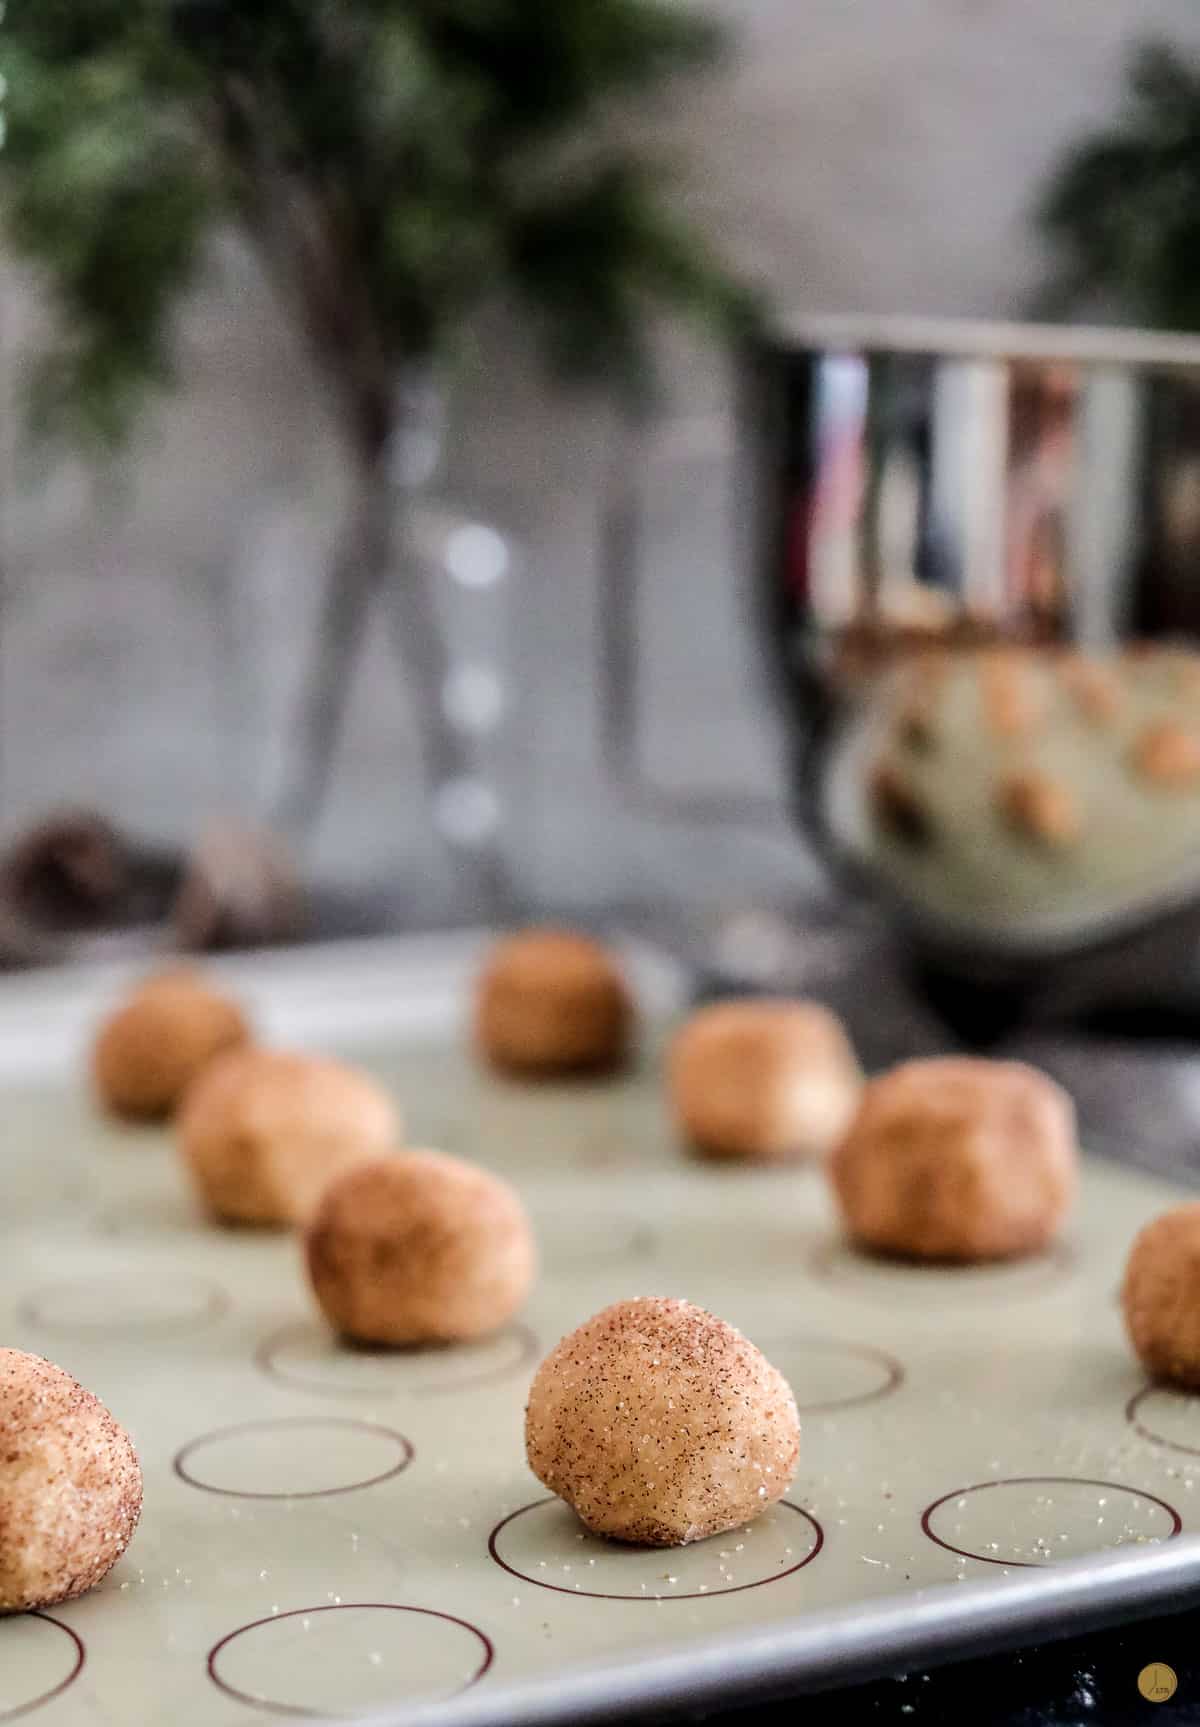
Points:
[(1161, 1296), (263, 1132), (552, 1002), (958, 1158), (420, 1248), (149, 1051), (661, 1424), (70, 1485), (765, 1079)]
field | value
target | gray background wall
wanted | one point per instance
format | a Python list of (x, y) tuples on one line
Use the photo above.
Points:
[(874, 155)]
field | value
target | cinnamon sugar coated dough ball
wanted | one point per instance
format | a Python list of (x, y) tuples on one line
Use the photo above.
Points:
[(263, 1132), (552, 1001), (1161, 1296), (151, 1049), (764, 1079), (420, 1248), (70, 1485), (661, 1424), (1168, 756), (958, 1159), (1038, 807)]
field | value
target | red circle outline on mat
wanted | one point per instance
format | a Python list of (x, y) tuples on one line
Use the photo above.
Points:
[(1131, 1416), (264, 1360), (840, 1345), (1036, 1481), (20, 1709), (1052, 1264), (298, 1710), (689, 1595), (181, 1456), (30, 1311)]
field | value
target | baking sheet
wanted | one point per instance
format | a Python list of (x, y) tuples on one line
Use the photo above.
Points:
[(329, 1531)]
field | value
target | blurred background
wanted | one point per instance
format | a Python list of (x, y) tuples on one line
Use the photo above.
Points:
[(159, 610)]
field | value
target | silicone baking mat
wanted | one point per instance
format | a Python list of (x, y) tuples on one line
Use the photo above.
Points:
[(329, 1530)]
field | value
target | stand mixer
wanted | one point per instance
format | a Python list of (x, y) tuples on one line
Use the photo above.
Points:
[(974, 555)]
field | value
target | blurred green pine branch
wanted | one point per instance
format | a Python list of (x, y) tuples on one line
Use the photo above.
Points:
[(1122, 211), (394, 162)]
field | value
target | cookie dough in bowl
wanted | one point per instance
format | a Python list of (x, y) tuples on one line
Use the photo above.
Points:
[(762, 1079), (958, 1158), (1037, 796), (263, 1132), (660, 1424), (70, 1485)]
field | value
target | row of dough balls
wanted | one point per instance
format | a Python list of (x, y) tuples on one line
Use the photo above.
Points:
[(548, 1002), (952, 1159), (658, 1422), (946, 1159), (1038, 807), (746, 1079), (401, 1246)]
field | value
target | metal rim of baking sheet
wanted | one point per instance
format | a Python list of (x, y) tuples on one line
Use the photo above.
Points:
[(850, 1645)]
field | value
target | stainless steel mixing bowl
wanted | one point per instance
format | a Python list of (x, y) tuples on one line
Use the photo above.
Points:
[(961, 536)]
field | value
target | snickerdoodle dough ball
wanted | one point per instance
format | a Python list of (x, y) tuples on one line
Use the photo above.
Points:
[(149, 1051), (958, 1159), (1161, 1296), (552, 1002), (263, 1132), (420, 1248), (763, 1079), (661, 1424), (70, 1485)]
